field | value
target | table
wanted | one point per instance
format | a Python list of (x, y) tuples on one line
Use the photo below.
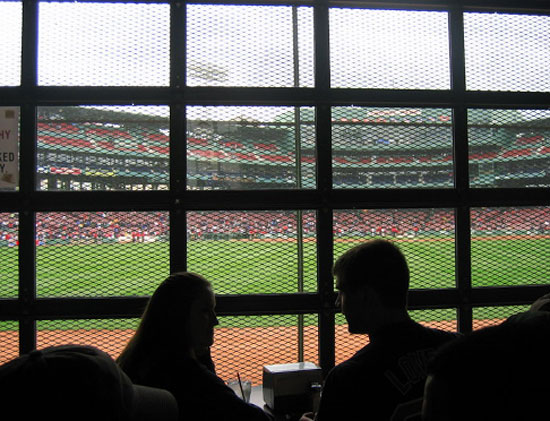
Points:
[(257, 398)]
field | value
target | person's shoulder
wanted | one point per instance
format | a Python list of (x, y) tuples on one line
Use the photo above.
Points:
[(435, 333), (360, 361)]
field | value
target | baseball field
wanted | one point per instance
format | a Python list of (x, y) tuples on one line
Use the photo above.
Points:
[(263, 266), (249, 267)]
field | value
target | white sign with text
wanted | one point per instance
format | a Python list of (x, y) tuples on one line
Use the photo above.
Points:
[(9, 139)]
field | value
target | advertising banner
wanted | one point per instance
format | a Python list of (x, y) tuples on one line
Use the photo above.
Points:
[(9, 153)]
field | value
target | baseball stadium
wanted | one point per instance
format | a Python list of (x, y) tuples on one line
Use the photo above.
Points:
[(256, 143), (99, 253)]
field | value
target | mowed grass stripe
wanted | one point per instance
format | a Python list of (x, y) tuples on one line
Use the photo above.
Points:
[(251, 267), (240, 267)]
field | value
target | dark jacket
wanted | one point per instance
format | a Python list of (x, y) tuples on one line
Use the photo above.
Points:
[(385, 379), (200, 393)]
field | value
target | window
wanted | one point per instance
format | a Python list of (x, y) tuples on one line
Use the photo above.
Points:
[(256, 143)]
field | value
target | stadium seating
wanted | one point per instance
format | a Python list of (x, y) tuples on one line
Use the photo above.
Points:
[(248, 158)]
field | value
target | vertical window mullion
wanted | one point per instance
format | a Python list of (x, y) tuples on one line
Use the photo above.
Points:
[(324, 186), (27, 178), (460, 138), (178, 137)]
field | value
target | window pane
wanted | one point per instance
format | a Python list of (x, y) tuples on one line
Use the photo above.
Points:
[(242, 148), (425, 236), (264, 252), (491, 316), (346, 344), (389, 49), (510, 246), (109, 335), (97, 254), (392, 147), (103, 148), (509, 148), (244, 344), (506, 52), (9, 255), (96, 44), (9, 340), (263, 46), (444, 319), (10, 43)]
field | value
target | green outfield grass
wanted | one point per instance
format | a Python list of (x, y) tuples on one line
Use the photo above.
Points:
[(247, 267), (509, 262), (250, 267)]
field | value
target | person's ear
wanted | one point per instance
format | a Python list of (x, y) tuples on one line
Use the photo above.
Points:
[(370, 298)]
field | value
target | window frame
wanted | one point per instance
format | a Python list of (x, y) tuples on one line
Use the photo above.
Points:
[(324, 199)]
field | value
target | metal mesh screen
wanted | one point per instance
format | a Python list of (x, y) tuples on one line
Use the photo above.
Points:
[(264, 46), (109, 335), (103, 148), (95, 254), (492, 316), (250, 148), (9, 340), (245, 344), (509, 148), (346, 344), (392, 147), (9, 255), (255, 252), (507, 52), (391, 49), (510, 246), (425, 236), (10, 46), (103, 44)]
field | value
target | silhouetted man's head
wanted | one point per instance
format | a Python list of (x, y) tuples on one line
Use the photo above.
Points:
[(372, 278)]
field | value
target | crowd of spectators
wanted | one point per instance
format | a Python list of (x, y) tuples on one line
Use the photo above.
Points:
[(241, 158), (100, 227)]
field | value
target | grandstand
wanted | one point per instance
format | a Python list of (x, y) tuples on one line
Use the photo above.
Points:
[(80, 148)]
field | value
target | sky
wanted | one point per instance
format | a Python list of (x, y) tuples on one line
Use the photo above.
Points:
[(87, 44)]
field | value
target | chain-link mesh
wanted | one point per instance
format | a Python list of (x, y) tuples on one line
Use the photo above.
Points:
[(10, 47), (108, 254), (250, 148), (244, 45), (507, 52), (443, 318), (103, 44), (392, 49), (9, 254), (510, 246), (254, 252), (97, 254), (103, 148), (346, 344), (244, 344), (109, 335), (509, 148), (392, 147), (426, 237), (9, 340), (492, 316)]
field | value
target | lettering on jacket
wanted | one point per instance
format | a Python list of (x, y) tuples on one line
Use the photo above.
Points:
[(412, 368)]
